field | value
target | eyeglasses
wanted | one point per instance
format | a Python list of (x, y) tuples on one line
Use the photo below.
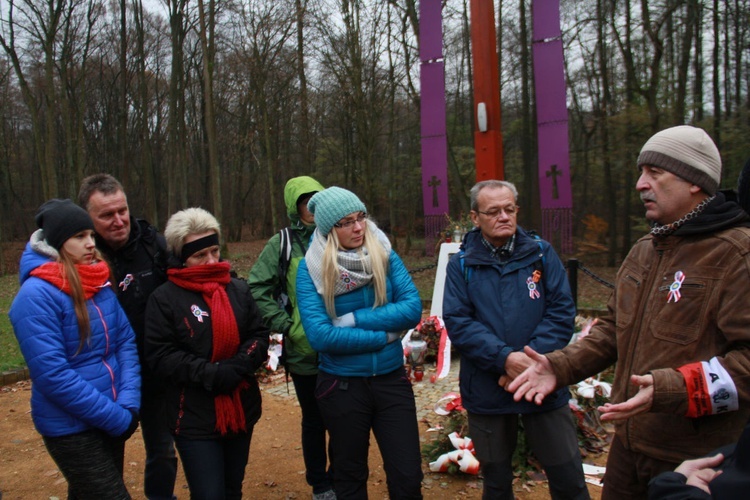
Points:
[(510, 211), (349, 223)]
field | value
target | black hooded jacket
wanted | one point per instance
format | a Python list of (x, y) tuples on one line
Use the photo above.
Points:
[(139, 268)]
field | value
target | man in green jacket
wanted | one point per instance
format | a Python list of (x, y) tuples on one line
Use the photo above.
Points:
[(301, 359)]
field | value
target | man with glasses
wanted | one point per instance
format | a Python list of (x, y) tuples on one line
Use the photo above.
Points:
[(507, 289)]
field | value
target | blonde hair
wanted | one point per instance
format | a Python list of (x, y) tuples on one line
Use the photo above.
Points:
[(378, 263), (70, 273), (187, 222)]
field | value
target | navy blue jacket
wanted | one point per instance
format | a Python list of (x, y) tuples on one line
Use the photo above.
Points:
[(488, 312)]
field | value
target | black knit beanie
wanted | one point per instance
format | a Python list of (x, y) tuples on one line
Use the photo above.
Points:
[(61, 219)]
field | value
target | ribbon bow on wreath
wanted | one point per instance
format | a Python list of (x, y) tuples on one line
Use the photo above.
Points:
[(433, 327), (275, 348), (463, 456)]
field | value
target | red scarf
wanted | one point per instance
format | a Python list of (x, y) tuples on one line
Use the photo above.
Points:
[(211, 281), (93, 277)]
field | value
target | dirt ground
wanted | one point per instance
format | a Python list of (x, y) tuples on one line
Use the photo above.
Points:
[(275, 469)]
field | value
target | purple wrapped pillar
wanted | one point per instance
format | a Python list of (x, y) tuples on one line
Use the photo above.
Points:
[(552, 125), (434, 145)]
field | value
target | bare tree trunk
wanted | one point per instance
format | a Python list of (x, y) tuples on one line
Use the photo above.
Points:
[(740, 46), (304, 126), (698, 104), (147, 161), (207, 37), (603, 125), (686, 45), (176, 130), (716, 76), (123, 111)]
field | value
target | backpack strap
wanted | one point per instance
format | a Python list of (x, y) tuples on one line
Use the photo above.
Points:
[(465, 270), (285, 256), (539, 265), (286, 241)]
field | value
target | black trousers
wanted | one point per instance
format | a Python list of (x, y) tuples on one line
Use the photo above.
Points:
[(91, 462), (553, 439), (352, 407), (161, 460), (314, 448)]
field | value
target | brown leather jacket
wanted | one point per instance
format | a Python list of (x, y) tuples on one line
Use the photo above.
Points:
[(644, 333)]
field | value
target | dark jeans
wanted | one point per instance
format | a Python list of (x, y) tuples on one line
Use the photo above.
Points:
[(354, 406), (91, 462), (313, 435), (551, 436), (628, 472), (161, 459), (214, 468)]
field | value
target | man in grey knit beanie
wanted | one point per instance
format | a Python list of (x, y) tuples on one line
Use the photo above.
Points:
[(676, 325), (687, 152)]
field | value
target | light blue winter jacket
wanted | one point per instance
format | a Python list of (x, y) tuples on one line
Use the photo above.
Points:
[(73, 392), (361, 350)]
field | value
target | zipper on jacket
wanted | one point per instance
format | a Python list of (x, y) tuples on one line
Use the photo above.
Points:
[(106, 351), (180, 412), (637, 320)]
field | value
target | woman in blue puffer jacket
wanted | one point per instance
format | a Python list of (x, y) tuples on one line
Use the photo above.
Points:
[(355, 296), (80, 350)]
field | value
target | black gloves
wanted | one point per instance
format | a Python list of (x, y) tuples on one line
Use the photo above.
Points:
[(133, 425), (229, 373)]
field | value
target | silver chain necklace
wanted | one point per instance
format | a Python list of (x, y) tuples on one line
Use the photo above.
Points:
[(658, 230)]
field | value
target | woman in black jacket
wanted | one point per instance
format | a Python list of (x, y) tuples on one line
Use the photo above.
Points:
[(205, 337)]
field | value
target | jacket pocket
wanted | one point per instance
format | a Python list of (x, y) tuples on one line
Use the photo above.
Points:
[(628, 290), (680, 315), (325, 386)]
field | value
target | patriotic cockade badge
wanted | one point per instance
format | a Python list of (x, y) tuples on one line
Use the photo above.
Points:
[(674, 288), (198, 313)]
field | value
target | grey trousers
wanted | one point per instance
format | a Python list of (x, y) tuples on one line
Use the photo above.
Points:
[(551, 436)]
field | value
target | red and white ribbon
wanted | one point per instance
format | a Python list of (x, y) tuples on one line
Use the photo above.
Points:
[(449, 402), (444, 351), (674, 288), (444, 347), (531, 285), (463, 456)]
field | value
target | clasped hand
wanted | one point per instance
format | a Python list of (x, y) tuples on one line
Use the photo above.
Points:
[(537, 380)]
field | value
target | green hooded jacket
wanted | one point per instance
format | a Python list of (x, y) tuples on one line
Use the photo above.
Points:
[(300, 357)]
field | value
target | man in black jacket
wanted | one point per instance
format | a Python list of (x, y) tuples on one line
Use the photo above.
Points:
[(137, 255)]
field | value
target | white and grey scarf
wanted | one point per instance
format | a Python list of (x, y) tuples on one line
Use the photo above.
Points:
[(353, 265)]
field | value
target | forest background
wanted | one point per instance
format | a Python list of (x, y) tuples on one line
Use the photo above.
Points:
[(217, 103)]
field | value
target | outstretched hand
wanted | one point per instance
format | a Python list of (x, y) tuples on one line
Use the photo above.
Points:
[(536, 381), (699, 472), (640, 403)]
